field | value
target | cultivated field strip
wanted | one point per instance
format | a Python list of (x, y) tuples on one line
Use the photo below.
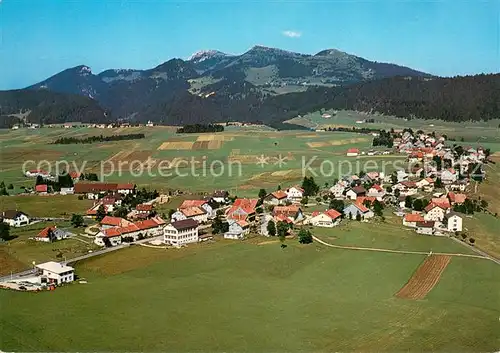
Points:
[(425, 278)]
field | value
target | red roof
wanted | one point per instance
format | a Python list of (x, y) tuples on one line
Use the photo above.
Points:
[(252, 203), (414, 217), (41, 188), (125, 186), (144, 207), (457, 198), (44, 233), (74, 175), (288, 211), (192, 203), (443, 202), (353, 150), (280, 194), (38, 171), (377, 187), (115, 221), (83, 187), (361, 207), (409, 184), (362, 199), (146, 224), (333, 214), (112, 232)]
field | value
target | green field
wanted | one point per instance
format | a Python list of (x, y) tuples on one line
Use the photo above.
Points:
[(237, 150), (241, 296)]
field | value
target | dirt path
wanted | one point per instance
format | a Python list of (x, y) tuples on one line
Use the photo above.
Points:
[(347, 247), (425, 278)]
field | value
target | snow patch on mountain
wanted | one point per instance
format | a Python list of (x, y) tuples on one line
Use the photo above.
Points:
[(203, 55)]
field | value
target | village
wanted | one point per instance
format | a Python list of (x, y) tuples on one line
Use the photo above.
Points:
[(432, 196)]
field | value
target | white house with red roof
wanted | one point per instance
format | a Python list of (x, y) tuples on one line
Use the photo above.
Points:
[(338, 189), (292, 213), (110, 222), (434, 212), (278, 197), (242, 209), (449, 176), (352, 152), (41, 188), (197, 213), (110, 235), (237, 229), (199, 203), (295, 193), (456, 198), (411, 219), (329, 218), (406, 188), (376, 191), (52, 233)]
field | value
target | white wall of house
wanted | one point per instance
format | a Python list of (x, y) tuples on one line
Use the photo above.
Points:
[(322, 220), (351, 195), (293, 193), (177, 238), (21, 220), (454, 224), (436, 214), (425, 230)]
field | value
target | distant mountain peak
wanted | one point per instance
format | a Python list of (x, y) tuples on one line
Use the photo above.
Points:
[(331, 52), (203, 55), (82, 70)]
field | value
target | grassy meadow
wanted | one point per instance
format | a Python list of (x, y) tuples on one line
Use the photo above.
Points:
[(193, 158), (242, 296)]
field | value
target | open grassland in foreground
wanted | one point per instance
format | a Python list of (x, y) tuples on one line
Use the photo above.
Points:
[(56, 206), (242, 297)]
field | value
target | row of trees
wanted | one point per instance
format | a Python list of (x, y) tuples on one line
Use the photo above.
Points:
[(200, 128), (3, 189), (94, 139)]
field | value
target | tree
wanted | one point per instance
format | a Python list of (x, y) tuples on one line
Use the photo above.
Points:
[(438, 183), (282, 230), (10, 187), (217, 225), (472, 241), (337, 205), (171, 212), (304, 201), (305, 236), (120, 212), (358, 217), (101, 213), (262, 193), (394, 178), (377, 208), (39, 180), (107, 242), (408, 202), (271, 228), (438, 162), (418, 205), (3, 192), (397, 193), (4, 231), (77, 220), (51, 235), (310, 187)]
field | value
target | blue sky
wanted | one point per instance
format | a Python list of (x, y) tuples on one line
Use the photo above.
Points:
[(39, 38)]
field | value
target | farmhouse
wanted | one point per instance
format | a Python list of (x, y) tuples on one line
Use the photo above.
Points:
[(93, 190), (292, 213), (338, 189), (434, 212), (56, 273), (110, 222), (355, 192), (376, 191), (406, 188), (352, 152), (144, 208), (181, 232), (15, 218), (295, 193), (220, 196), (199, 203), (108, 237), (354, 209), (52, 233), (426, 228), (329, 218), (276, 198), (411, 219), (196, 213), (456, 198), (242, 209), (453, 221), (425, 183), (449, 176), (237, 229)]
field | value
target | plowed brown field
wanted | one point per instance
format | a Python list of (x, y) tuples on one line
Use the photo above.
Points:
[(425, 278)]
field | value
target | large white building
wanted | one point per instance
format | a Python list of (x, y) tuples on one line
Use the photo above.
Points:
[(181, 232), (453, 222), (57, 273)]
